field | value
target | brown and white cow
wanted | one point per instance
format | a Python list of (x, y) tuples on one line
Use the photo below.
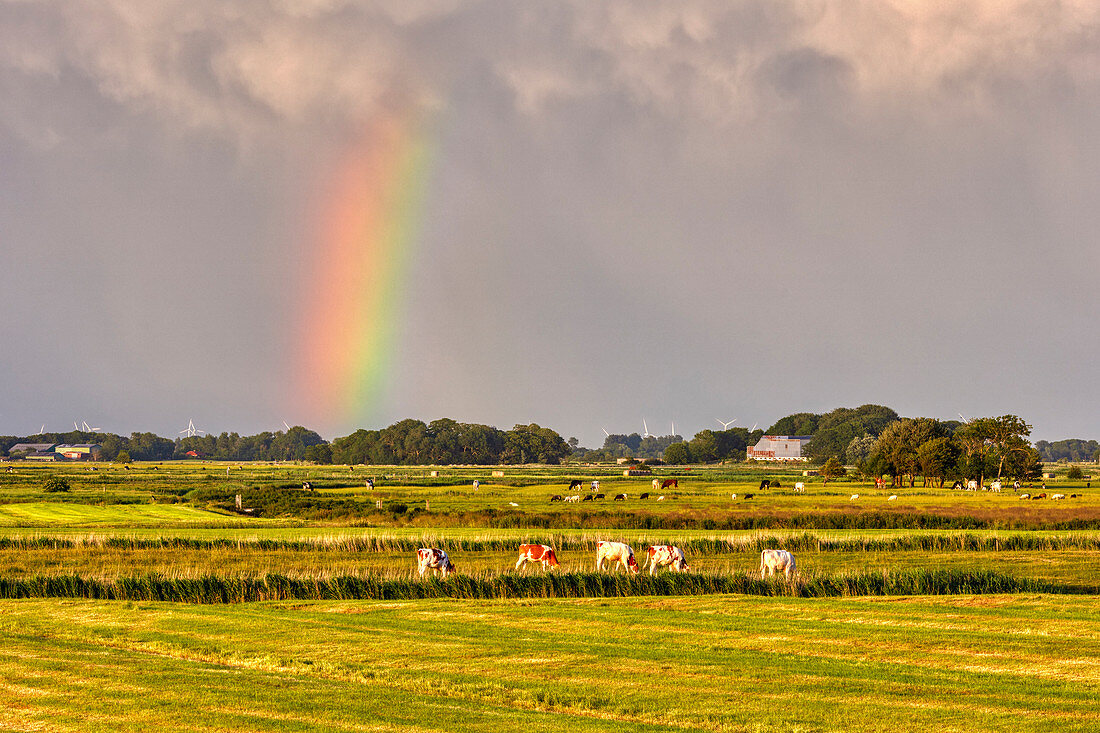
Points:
[(615, 553), (431, 558), (537, 553), (663, 556)]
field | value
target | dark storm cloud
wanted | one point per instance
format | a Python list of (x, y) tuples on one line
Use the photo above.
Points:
[(636, 209)]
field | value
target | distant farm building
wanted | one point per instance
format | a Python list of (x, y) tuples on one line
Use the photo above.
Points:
[(79, 451), (778, 448), (31, 448)]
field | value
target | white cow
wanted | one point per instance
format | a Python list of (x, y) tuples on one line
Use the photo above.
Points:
[(971, 485), (1057, 496), (733, 496), (660, 498), (1025, 496), (656, 484), (853, 497), (800, 488), (662, 556), (615, 553), (893, 498), (431, 558), (773, 560), (995, 487)]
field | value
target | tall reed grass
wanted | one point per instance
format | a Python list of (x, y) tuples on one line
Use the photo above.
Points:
[(218, 589), (583, 542)]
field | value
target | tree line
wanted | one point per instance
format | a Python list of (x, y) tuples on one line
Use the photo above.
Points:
[(1074, 449)]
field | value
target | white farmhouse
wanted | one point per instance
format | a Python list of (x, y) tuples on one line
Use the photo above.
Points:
[(779, 448)]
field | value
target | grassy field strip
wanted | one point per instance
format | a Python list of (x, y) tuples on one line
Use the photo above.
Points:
[(255, 530), (1026, 663), (1076, 567), (64, 514)]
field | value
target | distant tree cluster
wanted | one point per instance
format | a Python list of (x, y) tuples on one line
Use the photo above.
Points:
[(937, 451), (1074, 450), (837, 432), (618, 445), (709, 446), (292, 445), (445, 442)]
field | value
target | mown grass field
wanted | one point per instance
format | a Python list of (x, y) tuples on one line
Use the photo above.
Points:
[(721, 663)]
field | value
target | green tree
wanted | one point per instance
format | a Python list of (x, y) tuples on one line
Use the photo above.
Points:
[(678, 454), (123, 457), (1075, 473), (938, 458), (832, 469)]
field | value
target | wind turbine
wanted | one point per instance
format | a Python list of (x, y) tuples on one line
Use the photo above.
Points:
[(726, 425), (963, 418), (286, 426), (191, 430), (674, 427), (41, 429), (605, 432), (645, 429), (753, 427)]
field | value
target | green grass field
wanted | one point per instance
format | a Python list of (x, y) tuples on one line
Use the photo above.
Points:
[(721, 663), (705, 662)]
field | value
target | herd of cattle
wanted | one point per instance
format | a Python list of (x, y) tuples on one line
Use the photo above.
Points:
[(609, 555)]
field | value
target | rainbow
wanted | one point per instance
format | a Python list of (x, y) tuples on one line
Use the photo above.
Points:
[(368, 227)]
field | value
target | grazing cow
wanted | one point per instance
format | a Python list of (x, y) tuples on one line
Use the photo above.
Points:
[(1074, 496), (1025, 496), (1039, 496), (644, 496), (574, 484), (995, 487), (557, 497), (587, 497), (853, 497), (971, 485), (773, 560), (615, 553), (957, 485), (512, 503), (307, 485), (620, 497), (670, 482), (596, 486), (537, 553), (750, 496), (573, 499), (663, 556), (893, 498), (600, 496), (764, 484), (431, 558), (1016, 485), (660, 498), (800, 488), (733, 496), (1057, 496)]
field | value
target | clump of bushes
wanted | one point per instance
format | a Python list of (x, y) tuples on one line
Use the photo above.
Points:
[(55, 484), (1075, 473)]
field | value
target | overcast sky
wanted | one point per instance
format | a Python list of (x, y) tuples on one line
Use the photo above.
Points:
[(671, 211)]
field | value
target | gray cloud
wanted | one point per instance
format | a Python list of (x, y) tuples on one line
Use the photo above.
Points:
[(636, 209)]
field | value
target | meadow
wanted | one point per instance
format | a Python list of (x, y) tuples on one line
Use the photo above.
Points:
[(719, 663), (958, 610)]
